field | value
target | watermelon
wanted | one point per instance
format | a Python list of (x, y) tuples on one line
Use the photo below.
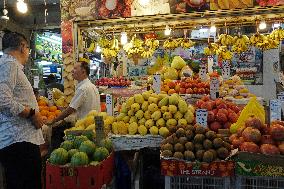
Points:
[(88, 147), (59, 156), (78, 140), (100, 154), (71, 153), (89, 134), (67, 145), (79, 159), (107, 144)]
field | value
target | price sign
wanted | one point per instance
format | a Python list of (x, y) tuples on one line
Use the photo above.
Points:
[(50, 96), (275, 110), (157, 83), (36, 82), (210, 64), (226, 70), (201, 117), (109, 104), (202, 72), (100, 134), (214, 88)]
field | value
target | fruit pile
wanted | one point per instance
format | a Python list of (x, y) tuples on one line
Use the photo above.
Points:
[(186, 86), (153, 113), (113, 82), (234, 88), (48, 113), (221, 114), (257, 137), (80, 152), (88, 122), (195, 143)]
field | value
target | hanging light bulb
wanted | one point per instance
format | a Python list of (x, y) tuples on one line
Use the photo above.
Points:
[(98, 49), (276, 25), (168, 30), (123, 38), (262, 25), (213, 28), (22, 6)]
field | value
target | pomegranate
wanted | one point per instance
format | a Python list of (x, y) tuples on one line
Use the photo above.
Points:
[(233, 117), (221, 117), (240, 131), (232, 137), (269, 149), (251, 135), (215, 126), (253, 122), (224, 111), (227, 125), (277, 132), (249, 147), (237, 142), (210, 117), (266, 139)]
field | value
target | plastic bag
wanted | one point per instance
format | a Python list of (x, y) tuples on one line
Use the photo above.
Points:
[(253, 108)]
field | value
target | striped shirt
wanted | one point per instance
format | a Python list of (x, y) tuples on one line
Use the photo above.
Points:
[(16, 92)]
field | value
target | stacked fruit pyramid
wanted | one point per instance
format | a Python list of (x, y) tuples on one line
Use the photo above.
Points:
[(195, 143), (47, 112), (80, 152), (153, 113)]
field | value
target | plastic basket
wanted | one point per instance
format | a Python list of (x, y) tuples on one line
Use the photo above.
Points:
[(254, 182), (191, 182)]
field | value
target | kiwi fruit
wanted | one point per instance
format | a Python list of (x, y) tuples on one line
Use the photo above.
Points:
[(207, 144), (189, 155), (217, 143), (189, 146), (167, 153), (179, 147), (208, 156), (211, 135), (199, 138), (178, 155), (182, 140)]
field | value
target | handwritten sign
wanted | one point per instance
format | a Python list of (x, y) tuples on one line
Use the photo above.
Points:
[(210, 64), (275, 110), (214, 88), (50, 97), (201, 117), (202, 72), (157, 83), (109, 105), (36, 82), (100, 134), (226, 70)]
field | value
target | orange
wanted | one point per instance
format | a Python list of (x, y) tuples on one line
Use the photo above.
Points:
[(57, 112), (44, 113), (51, 114), (52, 108), (51, 117), (43, 108), (42, 103)]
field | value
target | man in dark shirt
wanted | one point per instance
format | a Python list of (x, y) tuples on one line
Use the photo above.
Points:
[(51, 83)]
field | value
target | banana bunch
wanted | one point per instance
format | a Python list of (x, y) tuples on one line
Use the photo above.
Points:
[(134, 46), (109, 53), (223, 53), (172, 43), (104, 42), (270, 43), (91, 48), (277, 34), (187, 43), (225, 40), (152, 43), (211, 49), (240, 44), (114, 44), (147, 53), (257, 39)]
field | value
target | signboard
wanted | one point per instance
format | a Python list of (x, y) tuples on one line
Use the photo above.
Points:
[(201, 117), (109, 105), (50, 97), (157, 83), (226, 70), (202, 72), (214, 88), (100, 134), (275, 110), (36, 82)]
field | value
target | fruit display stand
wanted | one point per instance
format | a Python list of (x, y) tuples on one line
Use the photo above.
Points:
[(258, 171), (182, 174), (83, 177), (135, 142)]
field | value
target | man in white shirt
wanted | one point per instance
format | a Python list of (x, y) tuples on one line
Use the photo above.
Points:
[(20, 121), (86, 96)]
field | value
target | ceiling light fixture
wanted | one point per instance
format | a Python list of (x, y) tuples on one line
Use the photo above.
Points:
[(213, 28), (123, 38), (22, 6), (168, 30), (276, 25), (262, 25)]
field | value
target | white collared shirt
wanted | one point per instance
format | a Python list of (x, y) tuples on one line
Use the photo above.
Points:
[(16, 92), (86, 98)]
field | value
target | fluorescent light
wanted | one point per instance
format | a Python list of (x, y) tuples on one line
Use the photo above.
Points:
[(203, 30), (168, 30), (213, 29), (262, 25), (22, 6), (98, 49), (123, 38), (276, 25)]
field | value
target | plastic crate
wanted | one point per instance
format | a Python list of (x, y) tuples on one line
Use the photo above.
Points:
[(255, 182), (192, 182)]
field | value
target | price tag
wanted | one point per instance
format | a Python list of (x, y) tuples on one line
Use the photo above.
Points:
[(202, 72), (157, 83), (275, 110), (210, 64), (201, 117), (100, 134), (109, 104), (50, 97), (36, 82), (214, 88), (226, 70)]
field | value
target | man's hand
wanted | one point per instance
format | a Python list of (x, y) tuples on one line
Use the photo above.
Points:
[(37, 120)]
